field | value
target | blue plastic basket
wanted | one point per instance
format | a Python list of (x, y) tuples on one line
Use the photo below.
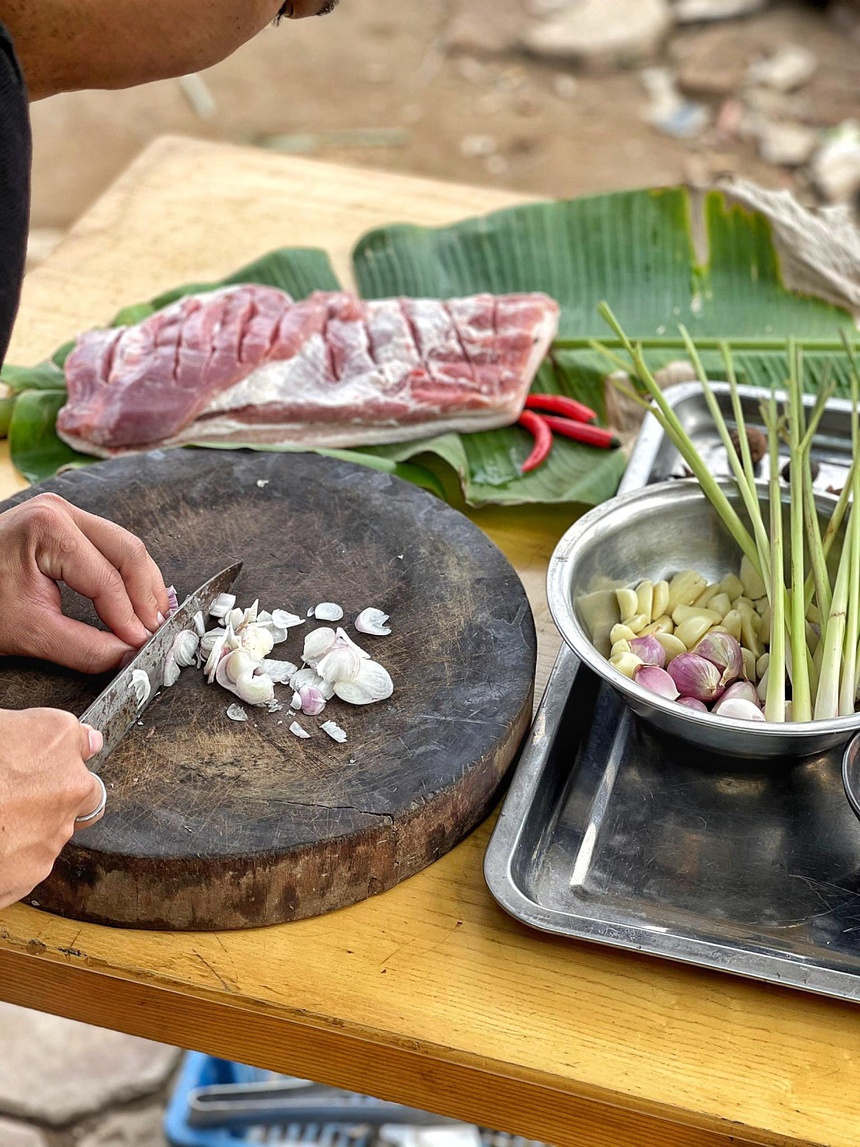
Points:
[(200, 1070)]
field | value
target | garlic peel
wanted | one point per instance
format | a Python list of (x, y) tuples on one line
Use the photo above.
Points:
[(373, 621)]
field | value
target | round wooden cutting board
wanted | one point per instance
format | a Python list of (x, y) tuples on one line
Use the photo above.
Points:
[(215, 824)]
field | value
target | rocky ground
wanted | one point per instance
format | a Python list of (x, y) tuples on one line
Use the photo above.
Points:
[(555, 97)]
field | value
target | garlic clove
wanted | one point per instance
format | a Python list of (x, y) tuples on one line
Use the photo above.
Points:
[(373, 621), (328, 611), (693, 703), (657, 680), (222, 605), (334, 731), (695, 676), (317, 644), (236, 713), (373, 683), (648, 650), (298, 731), (743, 689), (722, 650), (740, 710)]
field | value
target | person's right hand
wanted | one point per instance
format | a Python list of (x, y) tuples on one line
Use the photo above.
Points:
[(44, 785)]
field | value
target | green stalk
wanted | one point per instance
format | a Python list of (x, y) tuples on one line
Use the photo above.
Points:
[(689, 453), (848, 687), (668, 342), (774, 705), (833, 633), (801, 700), (746, 487)]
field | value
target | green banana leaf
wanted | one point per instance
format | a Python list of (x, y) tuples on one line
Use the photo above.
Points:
[(660, 258)]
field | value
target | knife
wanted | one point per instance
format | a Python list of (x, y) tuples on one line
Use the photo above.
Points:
[(117, 708)]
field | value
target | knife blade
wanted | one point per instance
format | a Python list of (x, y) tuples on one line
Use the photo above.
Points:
[(117, 708)]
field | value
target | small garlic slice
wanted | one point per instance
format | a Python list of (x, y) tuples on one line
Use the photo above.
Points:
[(279, 671), (255, 688), (184, 648), (298, 731), (373, 621), (171, 671), (334, 731), (222, 605), (199, 623), (236, 713), (328, 611), (317, 644), (140, 685)]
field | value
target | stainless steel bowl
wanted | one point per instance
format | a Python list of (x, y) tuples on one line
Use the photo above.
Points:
[(653, 533)]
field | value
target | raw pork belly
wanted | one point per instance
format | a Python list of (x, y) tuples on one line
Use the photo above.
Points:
[(248, 364)]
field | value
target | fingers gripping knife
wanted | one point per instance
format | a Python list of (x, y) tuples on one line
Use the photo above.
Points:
[(117, 708)]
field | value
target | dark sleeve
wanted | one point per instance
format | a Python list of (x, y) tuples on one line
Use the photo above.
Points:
[(15, 154)]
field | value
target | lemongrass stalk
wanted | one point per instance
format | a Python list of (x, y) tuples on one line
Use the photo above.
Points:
[(833, 634), (774, 705), (848, 687), (820, 578), (738, 412), (801, 700), (746, 488), (689, 453)]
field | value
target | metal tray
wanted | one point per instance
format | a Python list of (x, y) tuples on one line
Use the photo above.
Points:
[(615, 834)]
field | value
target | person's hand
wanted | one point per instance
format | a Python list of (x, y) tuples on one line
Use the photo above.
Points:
[(44, 785), (47, 540)]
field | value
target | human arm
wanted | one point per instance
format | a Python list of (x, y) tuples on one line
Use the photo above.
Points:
[(68, 45), (44, 785), (46, 540)]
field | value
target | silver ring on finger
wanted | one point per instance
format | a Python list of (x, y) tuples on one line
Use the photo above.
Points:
[(99, 809)]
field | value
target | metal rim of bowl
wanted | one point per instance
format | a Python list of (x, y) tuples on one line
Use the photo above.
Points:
[(851, 750), (560, 603)]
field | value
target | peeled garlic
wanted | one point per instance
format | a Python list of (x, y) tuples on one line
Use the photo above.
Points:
[(621, 633), (626, 663), (373, 621), (684, 588), (645, 598), (222, 605), (671, 644), (328, 611), (373, 683), (628, 602), (660, 599), (753, 585)]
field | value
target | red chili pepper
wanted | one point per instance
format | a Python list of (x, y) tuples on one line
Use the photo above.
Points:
[(537, 426), (558, 404), (579, 432)]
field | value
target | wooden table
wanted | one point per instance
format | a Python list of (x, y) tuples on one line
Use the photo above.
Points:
[(428, 994)]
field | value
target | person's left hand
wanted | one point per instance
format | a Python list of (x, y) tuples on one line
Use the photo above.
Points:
[(46, 540)]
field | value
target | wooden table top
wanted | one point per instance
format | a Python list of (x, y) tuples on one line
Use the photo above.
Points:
[(428, 994)]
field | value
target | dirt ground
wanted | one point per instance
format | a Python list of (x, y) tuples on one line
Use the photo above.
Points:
[(383, 85)]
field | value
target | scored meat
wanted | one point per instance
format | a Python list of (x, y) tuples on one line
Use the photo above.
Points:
[(248, 364)]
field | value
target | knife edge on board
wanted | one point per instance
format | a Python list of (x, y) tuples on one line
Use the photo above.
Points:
[(118, 706)]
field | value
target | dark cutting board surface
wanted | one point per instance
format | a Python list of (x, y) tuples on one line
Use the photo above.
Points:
[(216, 824)]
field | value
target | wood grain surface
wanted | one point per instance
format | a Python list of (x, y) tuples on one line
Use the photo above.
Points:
[(219, 824), (428, 994)]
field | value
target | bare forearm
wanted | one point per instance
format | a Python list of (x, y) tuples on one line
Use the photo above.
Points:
[(67, 45)]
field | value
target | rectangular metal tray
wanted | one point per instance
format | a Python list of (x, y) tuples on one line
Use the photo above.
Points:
[(613, 834)]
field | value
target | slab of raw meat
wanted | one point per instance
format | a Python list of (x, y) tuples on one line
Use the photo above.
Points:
[(248, 364)]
